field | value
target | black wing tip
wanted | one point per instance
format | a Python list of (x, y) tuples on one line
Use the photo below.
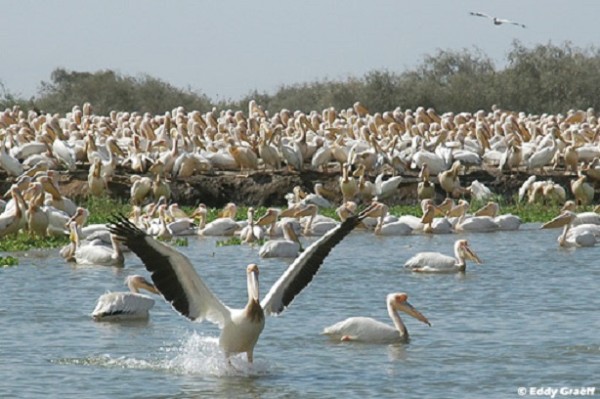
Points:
[(119, 225)]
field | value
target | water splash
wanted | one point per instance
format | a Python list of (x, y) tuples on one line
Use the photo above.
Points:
[(194, 355), (198, 354)]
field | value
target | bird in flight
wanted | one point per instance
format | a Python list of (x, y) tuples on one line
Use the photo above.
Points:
[(497, 21)]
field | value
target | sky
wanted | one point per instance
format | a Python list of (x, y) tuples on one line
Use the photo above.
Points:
[(227, 49)]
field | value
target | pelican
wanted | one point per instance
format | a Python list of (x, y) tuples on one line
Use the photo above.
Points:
[(114, 306), (10, 164), (10, 220), (222, 226), (288, 247), (495, 20), (582, 191), (316, 225), (348, 185), (366, 329), (435, 262), (96, 183), (384, 189), (178, 282), (583, 235), (141, 187), (251, 232), (318, 197), (93, 254)]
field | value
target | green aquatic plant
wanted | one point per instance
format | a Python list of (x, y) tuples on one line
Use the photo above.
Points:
[(237, 241), (101, 208), (7, 261), (24, 242), (229, 241)]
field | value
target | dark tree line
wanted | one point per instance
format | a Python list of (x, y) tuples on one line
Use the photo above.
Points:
[(543, 79)]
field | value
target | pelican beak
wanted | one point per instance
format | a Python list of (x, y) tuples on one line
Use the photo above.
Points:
[(116, 149), (307, 211), (253, 290), (470, 254), (411, 311), (559, 221), (150, 287), (51, 189)]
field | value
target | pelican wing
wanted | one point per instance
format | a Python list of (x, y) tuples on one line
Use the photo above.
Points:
[(301, 272), (173, 274), (479, 14)]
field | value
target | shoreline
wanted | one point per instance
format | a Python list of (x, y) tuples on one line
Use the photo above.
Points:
[(261, 188)]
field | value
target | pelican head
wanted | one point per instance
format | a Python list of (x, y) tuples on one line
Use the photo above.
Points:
[(463, 251), (399, 301), (569, 206)]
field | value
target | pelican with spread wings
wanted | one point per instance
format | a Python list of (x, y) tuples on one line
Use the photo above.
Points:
[(179, 283), (496, 20)]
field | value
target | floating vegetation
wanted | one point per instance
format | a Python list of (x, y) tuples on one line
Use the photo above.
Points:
[(7, 261), (181, 242), (24, 242), (237, 241), (229, 241)]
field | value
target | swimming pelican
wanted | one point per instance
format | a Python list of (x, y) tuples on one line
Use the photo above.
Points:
[(114, 306), (435, 262), (177, 280), (96, 254), (222, 226), (583, 235), (366, 329), (288, 247)]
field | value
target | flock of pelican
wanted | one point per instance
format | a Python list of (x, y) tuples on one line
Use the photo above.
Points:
[(371, 153)]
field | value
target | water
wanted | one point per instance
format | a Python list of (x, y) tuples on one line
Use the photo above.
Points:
[(527, 317)]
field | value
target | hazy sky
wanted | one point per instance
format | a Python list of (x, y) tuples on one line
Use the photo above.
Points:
[(225, 49)]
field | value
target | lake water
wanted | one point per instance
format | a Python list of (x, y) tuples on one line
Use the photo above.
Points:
[(528, 317)]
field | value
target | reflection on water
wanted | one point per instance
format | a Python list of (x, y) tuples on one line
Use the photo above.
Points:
[(527, 316)]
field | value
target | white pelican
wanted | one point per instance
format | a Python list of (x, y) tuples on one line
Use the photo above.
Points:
[(495, 20), (141, 187), (582, 191), (318, 197), (58, 201), (10, 220), (435, 262), (222, 226), (96, 183), (316, 225), (114, 306), (288, 247), (583, 235), (481, 224), (348, 185), (10, 164), (178, 282), (366, 329), (251, 232), (384, 189), (96, 254)]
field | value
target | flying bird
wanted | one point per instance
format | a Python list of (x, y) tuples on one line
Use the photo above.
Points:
[(178, 282), (495, 20)]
